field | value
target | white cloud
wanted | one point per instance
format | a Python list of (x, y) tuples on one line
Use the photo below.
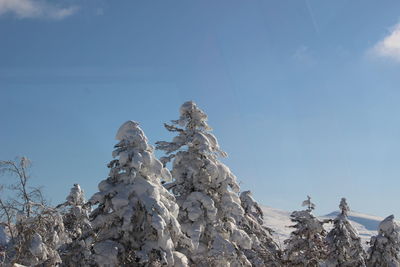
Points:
[(35, 9), (389, 47)]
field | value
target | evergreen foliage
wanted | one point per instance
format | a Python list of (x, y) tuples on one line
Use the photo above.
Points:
[(385, 247), (344, 245), (306, 245), (76, 252), (206, 192), (135, 219)]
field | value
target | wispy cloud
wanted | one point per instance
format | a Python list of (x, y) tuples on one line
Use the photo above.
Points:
[(35, 9), (389, 47), (304, 56)]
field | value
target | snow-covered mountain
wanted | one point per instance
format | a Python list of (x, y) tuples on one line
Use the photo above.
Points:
[(279, 221)]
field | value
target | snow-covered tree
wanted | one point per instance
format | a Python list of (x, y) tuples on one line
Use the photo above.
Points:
[(344, 245), (306, 245), (4, 238), (385, 247), (38, 238), (76, 222), (36, 230), (76, 214), (264, 251), (206, 192), (135, 219), (23, 197)]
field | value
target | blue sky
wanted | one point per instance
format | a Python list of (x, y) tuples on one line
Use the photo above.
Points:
[(303, 95)]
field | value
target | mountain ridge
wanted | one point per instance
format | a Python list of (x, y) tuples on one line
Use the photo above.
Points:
[(279, 221)]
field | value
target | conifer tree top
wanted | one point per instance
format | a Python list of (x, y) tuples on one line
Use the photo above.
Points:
[(307, 203), (131, 131), (134, 152), (344, 207), (192, 117), (385, 246), (388, 226), (76, 196), (194, 135)]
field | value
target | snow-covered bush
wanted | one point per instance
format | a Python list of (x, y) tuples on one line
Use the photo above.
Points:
[(135, 219), (344, 245), (38, 238), (4, 239), (36, 231), (21, 196), (206, 192), (76, 252), (385, 247), (264, 250), (306, 245)]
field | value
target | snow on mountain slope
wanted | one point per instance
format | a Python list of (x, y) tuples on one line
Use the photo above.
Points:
[(279, 221), (370, 222)]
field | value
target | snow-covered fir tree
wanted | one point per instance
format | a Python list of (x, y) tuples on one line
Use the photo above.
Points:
[(344, 245), (306, 245), (135, 219), (264, 250), (206, 192), (76, 222), (385, 247), (76, 217)]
